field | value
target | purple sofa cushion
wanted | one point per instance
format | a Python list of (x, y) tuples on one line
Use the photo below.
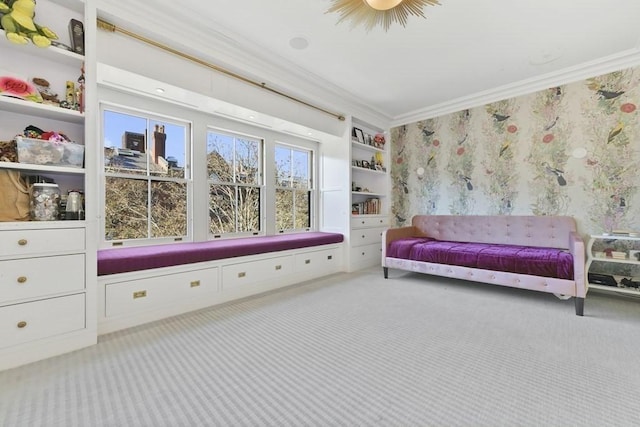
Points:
[(402, 248), (122, 260), (545, 262)]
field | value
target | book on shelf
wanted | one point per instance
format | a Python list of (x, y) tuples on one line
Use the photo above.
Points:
[(368, 207)]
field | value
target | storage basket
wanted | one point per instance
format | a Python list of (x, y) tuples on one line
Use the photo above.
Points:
[(42, 152)]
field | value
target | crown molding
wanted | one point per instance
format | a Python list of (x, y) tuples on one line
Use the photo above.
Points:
[(625, 59), (229, 50)]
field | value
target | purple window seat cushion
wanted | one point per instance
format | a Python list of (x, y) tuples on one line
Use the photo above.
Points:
[(122, 260), (545, 262)]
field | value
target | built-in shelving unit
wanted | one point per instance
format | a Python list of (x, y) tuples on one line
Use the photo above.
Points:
[(47, 306), (369, 194), (613, 263)]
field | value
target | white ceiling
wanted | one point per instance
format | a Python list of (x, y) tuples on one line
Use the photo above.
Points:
[(465, 48)]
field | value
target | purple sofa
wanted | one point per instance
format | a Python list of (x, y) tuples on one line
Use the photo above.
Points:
[(542, 253)]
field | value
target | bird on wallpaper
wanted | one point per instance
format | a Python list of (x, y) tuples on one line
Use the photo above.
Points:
[(615, 132), (558, 93), (505, 147), (427, 132), (400, 219), (466, 179), (499, 117), (552, 124), (607, 94), (404, 186), (464, 138), (602, 92), (557, 172)]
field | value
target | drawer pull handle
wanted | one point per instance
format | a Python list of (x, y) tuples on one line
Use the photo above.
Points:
[(22, 279), (362, 253), (195, 283), (139, 294), (242, 274), (278, 267), (307, 261), (363, 222), (21, 324), (330, 257), (22, 242), (363, 236)]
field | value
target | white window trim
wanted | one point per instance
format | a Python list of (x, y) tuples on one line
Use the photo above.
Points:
[(151, 116)]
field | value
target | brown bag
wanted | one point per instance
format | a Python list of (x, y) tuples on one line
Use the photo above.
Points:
[(14, 196)]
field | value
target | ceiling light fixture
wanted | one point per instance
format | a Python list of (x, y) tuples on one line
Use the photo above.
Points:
[(379, 12)]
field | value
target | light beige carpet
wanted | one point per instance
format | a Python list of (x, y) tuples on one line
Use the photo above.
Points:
[(352, 350)]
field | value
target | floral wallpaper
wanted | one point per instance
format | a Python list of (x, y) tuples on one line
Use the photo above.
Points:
[(567, 150)]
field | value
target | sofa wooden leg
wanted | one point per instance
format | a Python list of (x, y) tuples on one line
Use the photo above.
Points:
[(579, 306), (386, 272)]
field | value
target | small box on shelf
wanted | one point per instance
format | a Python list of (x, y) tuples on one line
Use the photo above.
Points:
[(43, 152)]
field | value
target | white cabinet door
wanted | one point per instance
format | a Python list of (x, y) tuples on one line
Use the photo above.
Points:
[(20, 323), (252, 272), (369, 221), (366, 236), (325, 260), (40, 277), (136, 296), (17, 243), (369, 254)]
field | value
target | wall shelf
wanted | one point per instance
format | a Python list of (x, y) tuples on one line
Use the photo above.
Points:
[(41, 168), (45, 111)]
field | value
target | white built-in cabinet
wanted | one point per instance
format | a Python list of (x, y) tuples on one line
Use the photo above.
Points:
[(370, 201), (47, 268), (613, 263), (130, 299)]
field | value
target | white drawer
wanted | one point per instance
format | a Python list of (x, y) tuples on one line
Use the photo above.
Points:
[(38, 277), (367, 253), (30, 242), (369, 221), (149, 293), (20, 323), (325, 259), (366, 236), (248, 273)]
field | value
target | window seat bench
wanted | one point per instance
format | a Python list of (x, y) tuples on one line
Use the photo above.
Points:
[(122, 260), (137, 285)]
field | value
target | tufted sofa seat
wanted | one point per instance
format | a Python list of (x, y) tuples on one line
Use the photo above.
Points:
[(542, 253)]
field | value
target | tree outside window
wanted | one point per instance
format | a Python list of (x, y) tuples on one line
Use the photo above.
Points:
[(145, 177), (235, 183), (294, 190)]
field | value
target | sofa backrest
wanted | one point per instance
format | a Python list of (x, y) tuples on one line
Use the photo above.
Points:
[(530, 230)]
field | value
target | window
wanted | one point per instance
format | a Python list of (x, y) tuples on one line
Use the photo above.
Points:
[(294, 189), (234, 168), (145, 177)]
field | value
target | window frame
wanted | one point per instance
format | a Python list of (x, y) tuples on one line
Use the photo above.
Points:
[(261, 185), (150, 178), (311, 188)]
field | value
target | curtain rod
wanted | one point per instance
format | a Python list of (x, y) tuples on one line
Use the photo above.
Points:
[(104, 25)]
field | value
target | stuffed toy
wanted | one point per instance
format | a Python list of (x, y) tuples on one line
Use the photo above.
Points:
[(17, 22)]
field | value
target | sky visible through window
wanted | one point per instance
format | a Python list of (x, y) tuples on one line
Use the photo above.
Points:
[(116, 124)]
